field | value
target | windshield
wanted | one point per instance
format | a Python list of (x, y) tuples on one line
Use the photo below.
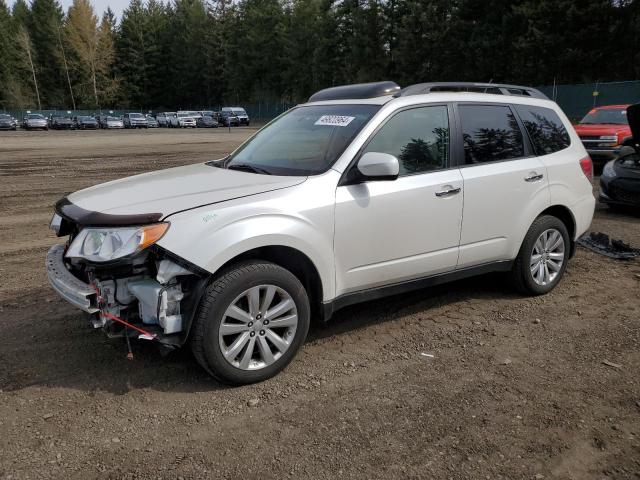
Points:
[(85, 118), (136, 115), (4, 117), (239, 112), (304, 141), (35, 116), (183, 115), (617, 116), (113, 119)]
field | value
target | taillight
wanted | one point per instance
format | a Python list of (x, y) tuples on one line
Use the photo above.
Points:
[(587, 167)]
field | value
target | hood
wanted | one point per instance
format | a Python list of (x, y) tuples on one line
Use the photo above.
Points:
[(176, 189), (633, 117), (602, 129)]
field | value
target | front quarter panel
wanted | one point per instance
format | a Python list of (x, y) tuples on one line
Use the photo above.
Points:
[(300, 217)]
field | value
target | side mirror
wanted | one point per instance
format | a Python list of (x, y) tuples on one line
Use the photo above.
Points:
[(378, 166)]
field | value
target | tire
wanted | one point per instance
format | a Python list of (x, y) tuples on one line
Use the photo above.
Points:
[(230, 288), (552, 260)]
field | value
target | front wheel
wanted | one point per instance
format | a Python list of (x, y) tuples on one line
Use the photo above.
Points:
[(251, 322), (543, 256)]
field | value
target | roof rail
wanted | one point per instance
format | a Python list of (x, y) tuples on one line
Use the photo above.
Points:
[(494, 88), (358, 90)]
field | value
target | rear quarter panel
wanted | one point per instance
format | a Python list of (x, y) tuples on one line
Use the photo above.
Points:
[(568, 185)]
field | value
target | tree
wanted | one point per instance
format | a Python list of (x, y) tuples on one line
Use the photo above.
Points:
[(91, 53), (26, 47), (44, 24)]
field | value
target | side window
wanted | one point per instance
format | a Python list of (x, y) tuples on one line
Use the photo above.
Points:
[(545, 129), (490, 133), (418, 137)]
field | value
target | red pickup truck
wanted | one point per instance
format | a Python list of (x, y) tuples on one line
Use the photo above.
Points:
[(602, 131)]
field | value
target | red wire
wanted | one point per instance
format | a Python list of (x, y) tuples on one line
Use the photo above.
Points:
[(127, 324), (119, 320)]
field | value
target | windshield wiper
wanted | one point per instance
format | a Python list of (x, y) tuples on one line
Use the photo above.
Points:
[(245, 167)]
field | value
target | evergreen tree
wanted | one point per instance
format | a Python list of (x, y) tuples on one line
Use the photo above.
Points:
[(44, 25)]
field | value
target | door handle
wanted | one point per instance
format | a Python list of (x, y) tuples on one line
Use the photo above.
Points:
[(448, 192), (534, 177)]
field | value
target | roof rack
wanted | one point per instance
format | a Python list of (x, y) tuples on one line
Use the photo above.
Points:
[(358, 90), (493, 88)]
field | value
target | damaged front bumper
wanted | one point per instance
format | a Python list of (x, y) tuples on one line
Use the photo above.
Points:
[(159, 298), (69, 287)]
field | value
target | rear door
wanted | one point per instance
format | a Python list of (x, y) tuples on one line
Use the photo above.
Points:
[(504, 183)]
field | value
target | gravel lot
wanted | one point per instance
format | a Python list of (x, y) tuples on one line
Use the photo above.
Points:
[(516, 388)]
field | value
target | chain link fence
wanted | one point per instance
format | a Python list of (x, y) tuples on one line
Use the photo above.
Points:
[(577, 99)]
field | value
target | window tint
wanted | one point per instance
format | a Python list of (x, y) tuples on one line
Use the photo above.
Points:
[(490, 133), (418, 137), (545, 129)]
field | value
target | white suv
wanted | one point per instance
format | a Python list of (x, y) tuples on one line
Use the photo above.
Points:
[(364, 191)]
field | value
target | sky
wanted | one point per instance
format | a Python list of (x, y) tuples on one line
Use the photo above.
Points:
[(99, 5)]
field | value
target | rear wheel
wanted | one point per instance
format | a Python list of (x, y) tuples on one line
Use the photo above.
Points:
[(251, 322), (543, 256)]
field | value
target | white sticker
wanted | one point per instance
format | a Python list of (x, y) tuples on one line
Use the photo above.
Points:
[(334, 120)]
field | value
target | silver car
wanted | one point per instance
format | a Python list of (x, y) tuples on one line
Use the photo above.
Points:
[(113, 122), (34, 121)]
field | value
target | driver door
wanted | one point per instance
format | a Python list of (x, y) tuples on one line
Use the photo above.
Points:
[(392, 231)]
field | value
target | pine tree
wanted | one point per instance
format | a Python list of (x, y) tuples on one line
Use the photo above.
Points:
[(45, 22)]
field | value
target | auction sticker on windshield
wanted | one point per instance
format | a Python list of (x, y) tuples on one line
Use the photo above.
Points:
[(334, 120)]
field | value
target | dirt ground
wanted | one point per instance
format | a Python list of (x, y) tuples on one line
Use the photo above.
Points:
[(516, 388)]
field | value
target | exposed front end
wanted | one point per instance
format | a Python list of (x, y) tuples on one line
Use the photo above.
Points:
[(127, 285)]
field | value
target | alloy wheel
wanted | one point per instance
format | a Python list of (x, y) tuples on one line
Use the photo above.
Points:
[(258, 327), (547, 257)]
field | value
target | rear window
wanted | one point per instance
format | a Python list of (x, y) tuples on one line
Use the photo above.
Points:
[(490, 133), (545, 129)]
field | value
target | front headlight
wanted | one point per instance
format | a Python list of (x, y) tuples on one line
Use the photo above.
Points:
[(608, 170), (105, 244)]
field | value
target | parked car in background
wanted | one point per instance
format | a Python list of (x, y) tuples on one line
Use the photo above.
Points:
[(357, 194), (35, 121), (134, 120), (620, 179), (102, 118), (152, 122), (228, 119), (206, 121), (61, 122), (164, 118), (7, 122), (182, 120), (241, 113), (113, 123), (84, 122), (603, 130)]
